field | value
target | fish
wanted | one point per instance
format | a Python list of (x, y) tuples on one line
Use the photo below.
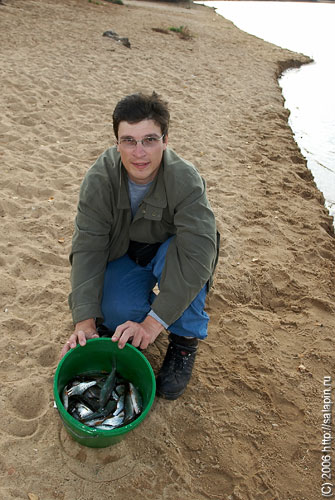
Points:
[(91, 397), (120, 389), (77, 390), (92, 403), (108, 387), (83, 411), (113, 422), (129, 409), (65, 398), (119, 406), (94, 422), (103, 413), (103, 400), (133, 404), (136, 398), (115, 395)]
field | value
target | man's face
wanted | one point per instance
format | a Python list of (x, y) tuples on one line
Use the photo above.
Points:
[(141, 163)]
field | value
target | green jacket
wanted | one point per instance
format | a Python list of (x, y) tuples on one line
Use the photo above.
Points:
[(175, 205)]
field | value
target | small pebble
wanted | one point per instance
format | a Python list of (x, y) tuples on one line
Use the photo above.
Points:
[(32, 496)]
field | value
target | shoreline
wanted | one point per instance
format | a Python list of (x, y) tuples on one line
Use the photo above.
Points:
[(293, 1), (296, 84), (249, 423)]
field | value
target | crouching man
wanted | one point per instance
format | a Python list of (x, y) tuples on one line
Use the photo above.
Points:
[(143, 219)]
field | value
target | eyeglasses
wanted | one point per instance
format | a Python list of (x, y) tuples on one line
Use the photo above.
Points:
[(147, 142)]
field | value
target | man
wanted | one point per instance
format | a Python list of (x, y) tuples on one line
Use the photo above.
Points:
[(143, 219)]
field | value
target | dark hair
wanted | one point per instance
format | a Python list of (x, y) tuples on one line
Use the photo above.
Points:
[(137, 107)]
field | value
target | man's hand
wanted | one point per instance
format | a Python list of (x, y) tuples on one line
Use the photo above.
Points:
[(83, 330), (143, 334)]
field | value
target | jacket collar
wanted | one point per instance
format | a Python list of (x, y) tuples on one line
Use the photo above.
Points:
[(123, 201), (157, 194)]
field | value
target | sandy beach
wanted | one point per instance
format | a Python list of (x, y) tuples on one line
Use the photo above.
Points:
[(249, 426)]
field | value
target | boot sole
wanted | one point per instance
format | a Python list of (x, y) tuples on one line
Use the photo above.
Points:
[(169, 396)]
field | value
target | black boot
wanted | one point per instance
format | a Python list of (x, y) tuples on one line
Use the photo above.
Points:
[(176, 370)]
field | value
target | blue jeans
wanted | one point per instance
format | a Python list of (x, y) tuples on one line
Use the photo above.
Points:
[(128, 295)]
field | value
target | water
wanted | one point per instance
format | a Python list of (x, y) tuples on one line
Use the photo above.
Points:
[(307, 28)]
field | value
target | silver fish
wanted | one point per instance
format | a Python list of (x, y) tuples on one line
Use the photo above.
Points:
[(115, 396), (94, 422), (119, 406), (83, 411), (136, 399), (79, 389), (129, 409), (65, 399), (113, 422)]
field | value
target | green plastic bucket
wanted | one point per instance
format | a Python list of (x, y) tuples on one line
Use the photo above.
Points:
[(96, 355)]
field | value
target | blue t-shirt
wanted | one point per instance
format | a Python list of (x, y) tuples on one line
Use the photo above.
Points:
[(136, 193)]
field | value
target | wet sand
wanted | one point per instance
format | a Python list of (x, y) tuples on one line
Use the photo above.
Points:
[(249, 425)]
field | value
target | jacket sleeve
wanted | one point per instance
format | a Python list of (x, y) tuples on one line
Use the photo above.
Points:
[(90, 247), (192, 253)]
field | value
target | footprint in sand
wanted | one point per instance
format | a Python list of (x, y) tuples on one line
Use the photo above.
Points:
[(21, 328), (29, 400), (18, 427), (47, 355), (26, 404), (97, 465)]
